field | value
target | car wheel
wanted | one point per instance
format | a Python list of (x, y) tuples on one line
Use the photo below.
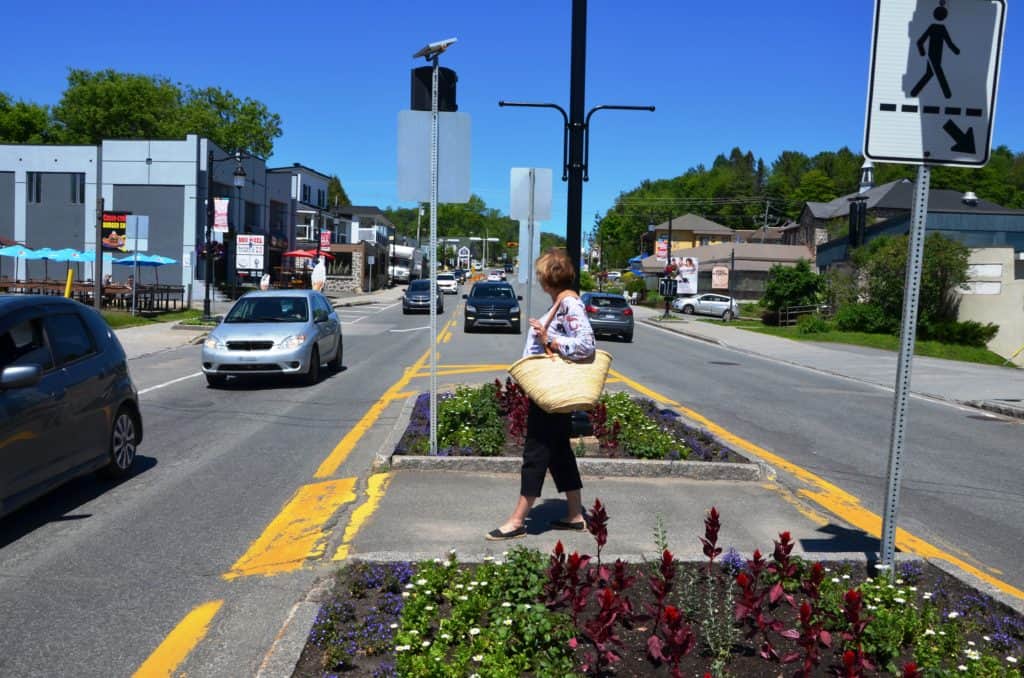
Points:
[(124, 437), (467, 328), (627, 337), (405, 311), (727, 315), (519, 327), (335, 363), (313, 371), (688, 309), (216, 380)]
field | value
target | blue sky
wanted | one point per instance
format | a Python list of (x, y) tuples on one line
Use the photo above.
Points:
[(764, 76)]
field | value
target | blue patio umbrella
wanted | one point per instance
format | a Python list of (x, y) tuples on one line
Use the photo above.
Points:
[(18, 251), (154, 261)]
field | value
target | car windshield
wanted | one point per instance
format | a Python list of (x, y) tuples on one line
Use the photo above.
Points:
[(494, 292), (419, 286), (269, 310), (445, 276)]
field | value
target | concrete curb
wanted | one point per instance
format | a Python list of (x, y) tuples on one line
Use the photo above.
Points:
[(683, 331), (1003, 408), (284, 654), (629, 468)]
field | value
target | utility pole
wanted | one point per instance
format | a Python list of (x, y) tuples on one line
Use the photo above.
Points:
[(97, 266), (764, 229)]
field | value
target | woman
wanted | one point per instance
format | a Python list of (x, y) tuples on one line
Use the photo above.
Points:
[(547, 435)]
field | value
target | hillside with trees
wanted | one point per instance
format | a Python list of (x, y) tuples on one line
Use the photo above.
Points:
[(740, 191)]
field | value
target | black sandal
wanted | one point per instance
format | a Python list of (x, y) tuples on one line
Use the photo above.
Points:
[(567, 525), (497, 535)]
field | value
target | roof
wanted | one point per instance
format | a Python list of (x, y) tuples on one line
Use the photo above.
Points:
[(290, 169), (899, 195), (10, 302), (749, 256), (692, 222)]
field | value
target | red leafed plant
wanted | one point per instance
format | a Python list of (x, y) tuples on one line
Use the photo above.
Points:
[(854, 662), (661, 584), (910, 670), (811, 637), (607, 435), (514, 404), (600, 631), (751, 608), (710, 539), (784, 568), (673, 639), (597, 525)]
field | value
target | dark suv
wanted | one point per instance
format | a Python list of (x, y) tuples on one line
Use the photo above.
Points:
[(67, 403), (493, 304)]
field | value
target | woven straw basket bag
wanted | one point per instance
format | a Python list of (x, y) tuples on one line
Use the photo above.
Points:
[(559, 385)]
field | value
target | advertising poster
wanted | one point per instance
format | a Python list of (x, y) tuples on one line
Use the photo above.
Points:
[(720, 278), (115, 235), (661, 249), (220, 215), (249, 252), (686, 275)]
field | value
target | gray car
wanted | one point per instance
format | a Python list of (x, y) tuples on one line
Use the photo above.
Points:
[(609, 314), (67, 402), (285, 332), (717, 305), (417, 297)]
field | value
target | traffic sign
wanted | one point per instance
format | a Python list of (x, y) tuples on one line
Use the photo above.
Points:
[(934, 75), (249, 251)]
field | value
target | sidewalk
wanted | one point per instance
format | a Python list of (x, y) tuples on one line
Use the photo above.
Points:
[(1000, 389), (145, 340)]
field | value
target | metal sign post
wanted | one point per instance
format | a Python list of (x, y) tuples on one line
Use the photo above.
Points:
[(433, 257)]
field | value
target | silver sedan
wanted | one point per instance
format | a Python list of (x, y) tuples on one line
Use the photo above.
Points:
[(287, 332), (717, 305)]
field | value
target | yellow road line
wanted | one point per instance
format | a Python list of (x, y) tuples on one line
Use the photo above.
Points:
[(376, 487), (179, 642), (835, 500), (297, 533)]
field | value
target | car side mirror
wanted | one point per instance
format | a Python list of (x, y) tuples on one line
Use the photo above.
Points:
[(20, 376), (319, 316), (465, 296), (519, 297)]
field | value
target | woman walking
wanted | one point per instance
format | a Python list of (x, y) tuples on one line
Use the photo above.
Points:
[(564, 329)]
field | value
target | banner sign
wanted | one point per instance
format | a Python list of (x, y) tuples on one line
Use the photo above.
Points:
[(325, 239), (686, 275), (720, 278), (220, 215), (115, 237), (661, 249), (249, 252)]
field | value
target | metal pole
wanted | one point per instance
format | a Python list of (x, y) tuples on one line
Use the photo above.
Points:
[(433, 258), (208, 276), (529, 247), (764, 228), (97, 266), (668, 297), (577, 97), (911, 293), (419, 215), (732, 273)]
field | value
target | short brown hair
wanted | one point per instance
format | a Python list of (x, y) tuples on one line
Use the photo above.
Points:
[(555, 270)]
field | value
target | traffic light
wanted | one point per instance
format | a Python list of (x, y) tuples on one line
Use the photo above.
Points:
[(421, 85)]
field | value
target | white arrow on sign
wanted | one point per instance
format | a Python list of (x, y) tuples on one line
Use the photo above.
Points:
[(934, 76)]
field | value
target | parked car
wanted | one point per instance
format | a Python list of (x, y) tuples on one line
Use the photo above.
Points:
[(67, 402), (447, 283), (460, 275), (609, 314), (492, 304), (495, 276), (417, 297), (717, 305), (285, 332)]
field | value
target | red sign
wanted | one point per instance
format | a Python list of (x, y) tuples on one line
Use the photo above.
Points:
[(325, 239), (115, 231)]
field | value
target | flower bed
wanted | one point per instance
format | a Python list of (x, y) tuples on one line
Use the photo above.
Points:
[(574, 614), (490, 420)]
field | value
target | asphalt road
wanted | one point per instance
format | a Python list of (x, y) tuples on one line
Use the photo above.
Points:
[(95, 576)]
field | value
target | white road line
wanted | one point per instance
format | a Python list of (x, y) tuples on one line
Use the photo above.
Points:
[(168, 383), (411, 329)]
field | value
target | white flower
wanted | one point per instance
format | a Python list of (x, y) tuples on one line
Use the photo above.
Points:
[(473, 583), (421, 582), (446, 636), (483, 583), (474, 631), (927, 595), (451, 552), (971, 643), (474, 675), (872, 607), (901, 601), (414, 632), (394, 626), (953, 615), (899, 581), (835, 580), (942, 633), (478, 657), (914, 589), (488, 559), (961, 668), (1012, 660), (450, 563), (973, 654), (459, 586), (881, 567), (929, 632), (403, 648), (410, 585), (507, 622), (846, 576), (426, 643), (986, 639), (890, 586), (428, 592), (429, 608), (437, 560), (405, 594), (506, 604), (463, 597)]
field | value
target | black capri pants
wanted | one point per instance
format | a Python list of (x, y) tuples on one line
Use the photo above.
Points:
[(547, 447)]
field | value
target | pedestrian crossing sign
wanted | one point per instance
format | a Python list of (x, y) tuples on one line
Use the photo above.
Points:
[(933, 81)]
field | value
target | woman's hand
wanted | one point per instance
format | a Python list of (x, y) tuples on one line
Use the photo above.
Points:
[(539, 328)]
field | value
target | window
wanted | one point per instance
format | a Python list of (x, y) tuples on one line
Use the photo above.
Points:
[(321, 199), (33, 186), (305, 193), (303, 231), (78, 188), (24, 344), (69, 337)]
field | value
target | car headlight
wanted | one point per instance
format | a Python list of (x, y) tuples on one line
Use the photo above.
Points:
[(294, 341), (214, 343), (470, 309), (514, 310)]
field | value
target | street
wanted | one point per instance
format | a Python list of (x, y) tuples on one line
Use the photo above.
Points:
[(96, 575)]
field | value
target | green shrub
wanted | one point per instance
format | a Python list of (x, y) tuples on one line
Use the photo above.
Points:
[(864, 318), (796, 285), (634, 283), (966, 333), (812, 324), (587, 282), (639, 436), (470, 418)]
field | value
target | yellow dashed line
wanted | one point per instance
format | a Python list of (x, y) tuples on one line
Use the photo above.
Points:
[(179, 642), (297, 533), (835, 500), (375, 489)]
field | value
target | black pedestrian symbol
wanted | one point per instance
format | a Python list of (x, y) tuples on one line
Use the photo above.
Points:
[(937, 38)]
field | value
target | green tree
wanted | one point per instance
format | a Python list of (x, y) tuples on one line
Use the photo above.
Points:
[(883, 264), (336, 194), (24, 123), (815, 186), (233, 124), (791, 286)]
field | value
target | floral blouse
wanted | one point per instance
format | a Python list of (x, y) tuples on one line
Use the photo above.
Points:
[(570, 329)]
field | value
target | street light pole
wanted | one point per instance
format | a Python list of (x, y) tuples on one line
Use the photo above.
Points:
[(238, 178)]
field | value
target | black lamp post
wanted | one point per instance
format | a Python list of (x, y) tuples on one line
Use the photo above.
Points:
[(238, 179)]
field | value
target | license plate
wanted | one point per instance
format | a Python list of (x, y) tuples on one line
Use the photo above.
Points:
[(608, 316)]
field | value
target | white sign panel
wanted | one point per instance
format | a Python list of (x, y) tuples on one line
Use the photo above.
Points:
[(528, 255), (933, 80), (249, 252), (519, 208), (453, 146), (137, 232)]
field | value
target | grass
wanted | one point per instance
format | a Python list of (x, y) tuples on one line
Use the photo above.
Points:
[(887, 342), (122, 319)]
